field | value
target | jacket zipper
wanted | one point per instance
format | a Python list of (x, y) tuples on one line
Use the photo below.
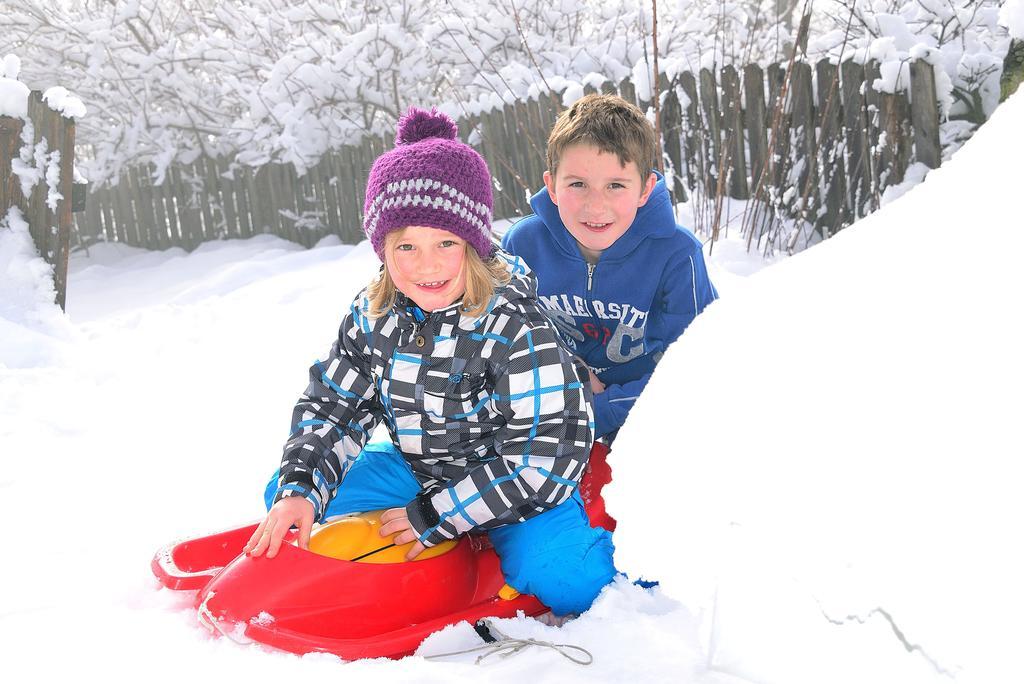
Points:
[(590, 287)]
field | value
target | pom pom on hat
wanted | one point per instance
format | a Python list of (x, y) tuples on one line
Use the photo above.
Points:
[(419, 124)]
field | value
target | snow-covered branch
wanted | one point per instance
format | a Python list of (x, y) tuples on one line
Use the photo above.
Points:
[(261, 80)]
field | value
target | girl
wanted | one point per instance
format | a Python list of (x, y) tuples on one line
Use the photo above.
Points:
[(490, 423)]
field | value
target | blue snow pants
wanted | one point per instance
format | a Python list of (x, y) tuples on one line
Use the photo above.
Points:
[(556, 555)]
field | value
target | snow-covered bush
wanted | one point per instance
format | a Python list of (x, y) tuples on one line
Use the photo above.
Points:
[(270, 81), (962, 38), (265, 80)]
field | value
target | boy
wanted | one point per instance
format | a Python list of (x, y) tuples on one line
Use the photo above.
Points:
[(618, 276)]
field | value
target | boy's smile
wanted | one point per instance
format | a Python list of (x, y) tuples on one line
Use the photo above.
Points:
[(597, 197), (426, 265)]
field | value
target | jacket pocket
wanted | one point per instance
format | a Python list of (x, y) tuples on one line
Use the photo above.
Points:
[(460, 397)]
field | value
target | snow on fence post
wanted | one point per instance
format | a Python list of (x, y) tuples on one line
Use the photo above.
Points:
[(858, 146), (691, 142), (340, 179), (732, 118), (10, 143), (713, 127), (47, 209), (107, 209), (327, 195), (254, 207), (671, 132), (190, 215), (925, 113), (804, 139), (830, 151), (160, 213), (309, 206), (218, 229), (63, 130), (341, 171), (265, 199), (627, 91), (217, 168), (873, 107), (362, 172), (172, 209), (154, 194), (540, 127), (756, 121), (891, 130), (519, 154), (849, 166), (778, 121), (494, 143), (97, 220), (145, 214), (354, 175), (38, 221), (208, 202), (284, 185), (127, 227), (92, 223), (515, 156), (528, 152), (240, 186)]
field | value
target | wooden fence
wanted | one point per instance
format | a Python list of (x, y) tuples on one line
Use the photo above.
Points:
[(826, 154), (49, 216)]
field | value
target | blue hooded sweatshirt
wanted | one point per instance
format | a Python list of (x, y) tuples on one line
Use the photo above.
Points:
[(620, 314)]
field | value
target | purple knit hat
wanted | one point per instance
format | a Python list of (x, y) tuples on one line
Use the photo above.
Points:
[(429, 179)]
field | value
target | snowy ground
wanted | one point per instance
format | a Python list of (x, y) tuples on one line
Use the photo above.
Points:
[(158, 413), (821, 473)]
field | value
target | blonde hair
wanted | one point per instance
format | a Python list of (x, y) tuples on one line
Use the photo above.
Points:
[(482, 279), (610, 124)]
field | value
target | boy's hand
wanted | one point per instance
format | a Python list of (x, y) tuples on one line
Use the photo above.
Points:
[(396, 521), (292, 510), (596, 386)]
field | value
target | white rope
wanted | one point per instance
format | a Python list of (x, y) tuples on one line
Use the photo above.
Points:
[(212, 623), (505, 646)]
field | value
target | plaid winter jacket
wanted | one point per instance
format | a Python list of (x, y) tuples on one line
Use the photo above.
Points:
[(490, 412)]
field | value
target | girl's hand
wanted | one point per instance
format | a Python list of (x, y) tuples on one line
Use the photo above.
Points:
[(396, 521), (292, 510), (596, 386)]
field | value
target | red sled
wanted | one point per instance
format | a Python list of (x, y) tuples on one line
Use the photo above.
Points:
[(303, 602)]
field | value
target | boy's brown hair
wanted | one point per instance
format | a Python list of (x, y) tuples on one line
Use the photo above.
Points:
[(610, 124)]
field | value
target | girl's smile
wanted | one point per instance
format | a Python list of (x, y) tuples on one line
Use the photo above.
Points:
[(432, 286)]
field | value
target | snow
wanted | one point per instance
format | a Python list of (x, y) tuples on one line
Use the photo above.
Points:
[(53, 197), (31, 160), (60, 100), (13, 93), (1011, 15), (841, 433), (32, 329), (833, 438), (10, 66)]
